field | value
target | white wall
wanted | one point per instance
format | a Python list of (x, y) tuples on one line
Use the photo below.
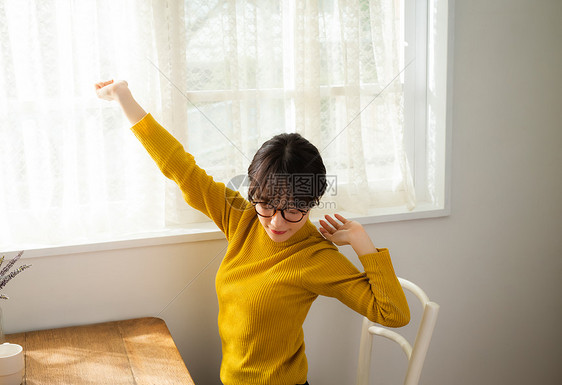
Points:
[(494, 265)]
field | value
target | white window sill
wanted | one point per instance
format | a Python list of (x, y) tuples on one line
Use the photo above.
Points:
[(395, 214), (208, 231)]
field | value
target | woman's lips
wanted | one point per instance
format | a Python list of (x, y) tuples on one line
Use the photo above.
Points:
[(278, 232)]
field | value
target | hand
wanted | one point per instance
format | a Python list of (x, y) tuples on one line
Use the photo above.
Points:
[(341, 233), (346, 232), (111, 90), (120, 92)]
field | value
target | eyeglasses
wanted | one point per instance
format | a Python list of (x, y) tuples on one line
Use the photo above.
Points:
[(266, 210)]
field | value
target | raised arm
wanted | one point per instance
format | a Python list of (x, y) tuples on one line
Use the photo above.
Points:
[(222, 205), (377, 294), (120, 92)]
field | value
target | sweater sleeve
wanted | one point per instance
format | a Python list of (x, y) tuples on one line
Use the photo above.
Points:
[(221, 204), (375, 294)]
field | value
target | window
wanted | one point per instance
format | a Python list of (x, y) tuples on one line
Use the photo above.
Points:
[(355, 79)]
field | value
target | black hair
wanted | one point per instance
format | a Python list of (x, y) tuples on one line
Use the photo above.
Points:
[(287, 168)]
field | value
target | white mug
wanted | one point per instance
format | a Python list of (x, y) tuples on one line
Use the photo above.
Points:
[(12, 364)]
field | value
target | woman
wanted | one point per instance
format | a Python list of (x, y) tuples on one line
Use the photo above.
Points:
[(277, 262)]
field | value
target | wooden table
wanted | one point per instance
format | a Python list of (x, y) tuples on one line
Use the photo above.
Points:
[(137, 352)]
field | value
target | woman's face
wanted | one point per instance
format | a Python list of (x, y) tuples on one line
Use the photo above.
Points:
[(280, 230)]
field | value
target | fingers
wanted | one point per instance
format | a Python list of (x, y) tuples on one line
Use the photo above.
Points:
[(332, 221), (335, 223), (326, 229), (330, 227), (341, 218), (103, 84), (325, 233), (336, 230), (325, 226)]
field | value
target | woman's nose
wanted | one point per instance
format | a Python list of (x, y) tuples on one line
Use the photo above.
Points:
[(277, 218)]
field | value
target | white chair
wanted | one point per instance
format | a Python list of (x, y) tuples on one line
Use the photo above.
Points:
[(416, 354)]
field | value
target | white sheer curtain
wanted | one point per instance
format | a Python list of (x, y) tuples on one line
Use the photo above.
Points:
[(70, 172), (222, 76)]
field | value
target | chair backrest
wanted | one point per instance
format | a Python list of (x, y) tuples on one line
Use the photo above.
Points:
[(416, 353)]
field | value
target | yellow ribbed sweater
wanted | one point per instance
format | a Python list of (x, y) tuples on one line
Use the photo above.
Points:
[(265, 289)]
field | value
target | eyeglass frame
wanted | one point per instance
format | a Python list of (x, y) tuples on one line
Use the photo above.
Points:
[(282, 211)]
